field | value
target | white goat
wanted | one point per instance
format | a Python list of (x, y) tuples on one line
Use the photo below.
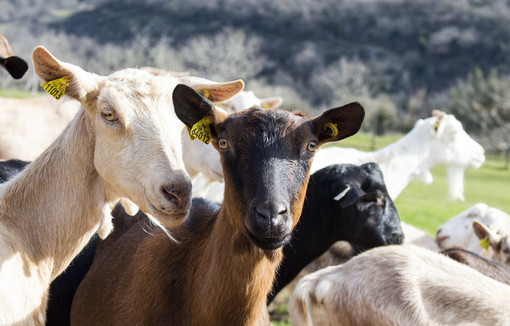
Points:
[(439, 139), (29, 126), (50, 210), (400, 285), (458, 231)]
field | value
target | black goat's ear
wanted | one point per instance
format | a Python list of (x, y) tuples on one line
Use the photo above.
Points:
[(374, 171), (348, 195), (377, 197), (339, 123)]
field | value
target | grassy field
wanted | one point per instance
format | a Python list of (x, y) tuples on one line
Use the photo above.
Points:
[(16, 93), (427, 206)]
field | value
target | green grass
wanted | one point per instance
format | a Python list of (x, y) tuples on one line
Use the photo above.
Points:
[(16, 93), (427, 206)]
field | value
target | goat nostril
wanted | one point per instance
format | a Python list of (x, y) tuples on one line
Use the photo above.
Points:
[(270, 210), (173, 195), (263, 211)]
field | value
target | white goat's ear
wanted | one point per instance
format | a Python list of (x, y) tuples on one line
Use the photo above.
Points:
[(219, 92), (271, 102), (482, 231), (342, 193), (79, 82), (438, 127)]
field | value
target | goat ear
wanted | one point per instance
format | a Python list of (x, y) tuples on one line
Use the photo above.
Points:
[(48, 68), (219, 92), (271, 102), (191, 107), (339, 123), (376, 197), (482, 231), (348, 195), (374, 171)]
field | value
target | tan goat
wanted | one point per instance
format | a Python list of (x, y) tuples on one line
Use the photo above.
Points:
[(400, 285)]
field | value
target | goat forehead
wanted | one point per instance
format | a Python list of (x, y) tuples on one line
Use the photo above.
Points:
[(263, 128), (140, 97), (132, 84)]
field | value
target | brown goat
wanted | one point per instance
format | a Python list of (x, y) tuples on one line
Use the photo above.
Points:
[(223, 266)]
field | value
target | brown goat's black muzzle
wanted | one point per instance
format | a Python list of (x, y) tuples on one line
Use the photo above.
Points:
[(269, 224)]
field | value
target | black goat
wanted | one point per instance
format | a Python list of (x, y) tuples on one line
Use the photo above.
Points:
[(10, 168), (343, 202)]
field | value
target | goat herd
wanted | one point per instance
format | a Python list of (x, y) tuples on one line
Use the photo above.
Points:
[(101, 228)]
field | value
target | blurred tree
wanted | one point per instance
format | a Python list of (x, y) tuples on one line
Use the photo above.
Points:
[(482, 103)]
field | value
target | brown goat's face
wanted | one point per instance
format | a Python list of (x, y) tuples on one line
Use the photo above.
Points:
[(266, 157)]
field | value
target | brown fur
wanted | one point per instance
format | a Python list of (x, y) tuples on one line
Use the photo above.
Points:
[(214, 275)]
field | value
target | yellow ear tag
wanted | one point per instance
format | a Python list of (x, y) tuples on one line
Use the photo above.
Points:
[(56, 88), (333, 127), (484, 243), (206, 93), (265, 106), (201, 130)]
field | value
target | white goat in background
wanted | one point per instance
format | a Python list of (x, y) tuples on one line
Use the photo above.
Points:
[(438, 140), (458, 231)]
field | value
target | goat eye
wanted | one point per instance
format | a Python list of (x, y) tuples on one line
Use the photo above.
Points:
[(109, 116), (223, 143), (312, 146)]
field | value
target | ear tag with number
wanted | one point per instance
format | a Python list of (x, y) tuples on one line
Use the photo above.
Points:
[(56, 88), (331, 129), (201, 130), (484, 243)]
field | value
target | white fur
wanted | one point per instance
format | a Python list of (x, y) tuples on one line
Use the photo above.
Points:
[(458, 232), (424, 147), (400, 285)]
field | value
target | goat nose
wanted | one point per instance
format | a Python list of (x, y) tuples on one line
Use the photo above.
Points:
[(179, 196), (396, 238), (270, 210)]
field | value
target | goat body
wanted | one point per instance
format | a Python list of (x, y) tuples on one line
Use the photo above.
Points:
[(490, 267), (401, 285)]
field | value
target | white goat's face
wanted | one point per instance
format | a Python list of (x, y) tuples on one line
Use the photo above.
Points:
[(138, 143), (457, 232), (137, 135), (452, 146)]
